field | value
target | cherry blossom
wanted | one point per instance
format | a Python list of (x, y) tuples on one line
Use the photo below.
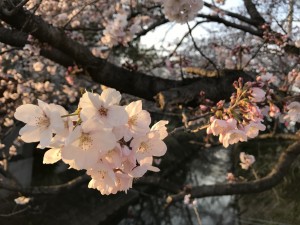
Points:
[(41, 122), (258, 94), (253, 128), (113, 143), (293, 113), (87, 143), (182, 11), (234, 136), (22, 200), (138, 122), (103, 108), (149, 145), (246, 160)]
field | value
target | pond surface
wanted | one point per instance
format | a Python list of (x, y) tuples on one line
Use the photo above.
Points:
[(208, 166)]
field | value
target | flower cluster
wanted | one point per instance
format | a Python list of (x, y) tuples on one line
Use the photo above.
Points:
[(119, 30), (294, 78), (242, 119), (113, 143), (293, 113), (181, 11)]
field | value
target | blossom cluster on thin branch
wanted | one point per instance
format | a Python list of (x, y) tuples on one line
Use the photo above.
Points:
[(243, 117), (113, 143), (181, 11)]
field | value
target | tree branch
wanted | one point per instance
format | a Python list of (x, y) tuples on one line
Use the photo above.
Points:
[(218, 19), (214, 87), (101, 71), (5, 184), (253, 12), (231, 14), (278, 172)]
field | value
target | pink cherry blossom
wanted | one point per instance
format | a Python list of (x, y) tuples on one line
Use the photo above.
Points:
[(234, 136), (138, 122), (87, 143), (258, 94), (246, 160), (253, 128), (293, 113), (149, 145)]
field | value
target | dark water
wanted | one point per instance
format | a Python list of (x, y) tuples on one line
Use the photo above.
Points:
[(208, 166)]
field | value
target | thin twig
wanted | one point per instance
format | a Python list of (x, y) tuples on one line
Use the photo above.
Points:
[(200, 51)]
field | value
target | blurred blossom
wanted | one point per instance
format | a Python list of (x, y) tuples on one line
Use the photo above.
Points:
[(38, 66), (22, 200), (246, 160)]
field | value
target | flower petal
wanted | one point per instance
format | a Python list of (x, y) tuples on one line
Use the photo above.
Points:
[(27, 113), (52, 156), (110, 97)]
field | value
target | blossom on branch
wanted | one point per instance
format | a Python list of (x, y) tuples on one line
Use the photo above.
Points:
[(113, 143), (246, 160)]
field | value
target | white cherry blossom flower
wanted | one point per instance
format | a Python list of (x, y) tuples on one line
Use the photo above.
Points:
[(103, 178), (41, 122), (149, 145), (138, 122), (87, 143), (103, 108)]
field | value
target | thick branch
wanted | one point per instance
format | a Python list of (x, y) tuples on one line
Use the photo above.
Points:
[(231, 14), (19, 39), (106, 73), (253, 12), (219, 87), (278, 172), (290, 49), (218, 19)]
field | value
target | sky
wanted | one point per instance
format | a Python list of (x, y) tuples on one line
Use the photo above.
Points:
[(170, 32)]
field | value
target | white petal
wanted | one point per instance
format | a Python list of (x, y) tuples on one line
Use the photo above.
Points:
[(30, 134), (134, 107), (46, 136), (153, 168), (111, 97), (138, 171), (74, 135), (82, 159), (89, 112), (104, 141), (117, 115), (119, 132), (52, 156), (158, 147), (95, 100), (84, 101), (160, 126), (56, 122), (27, 113)]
